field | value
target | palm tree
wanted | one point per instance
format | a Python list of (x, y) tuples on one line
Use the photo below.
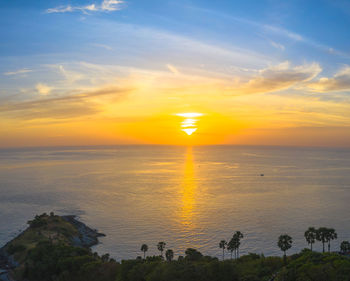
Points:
[(144, 249), (322, 235), (169, 254), (310, 236), (231, 246), (222, 246), (345, 247), (161, 246), (284, 243), (331, 235), (238, 236)]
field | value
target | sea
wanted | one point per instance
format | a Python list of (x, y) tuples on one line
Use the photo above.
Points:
[(188, 197)]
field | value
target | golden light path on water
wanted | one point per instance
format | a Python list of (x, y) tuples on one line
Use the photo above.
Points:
[(188, 192), (188, 207)]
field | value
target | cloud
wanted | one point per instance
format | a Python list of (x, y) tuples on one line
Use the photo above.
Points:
[(109, 48), (111, 5), (105, 6), (278, 77), (277, 45), (20, 71), (43, 89), (172, 68), (69, 9), (284, 32), (339, 82), (64, 107)]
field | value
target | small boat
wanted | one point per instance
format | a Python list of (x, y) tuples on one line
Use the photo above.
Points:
[(261, 175)]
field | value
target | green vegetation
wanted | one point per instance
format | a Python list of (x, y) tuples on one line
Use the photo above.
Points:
[(169, 254), (43, 228), (326, 235), (345, 247), (222, 246), (196, 267), (285, 243), (144, 249), (46, 252), (59, 262), (161, 246), (313, 266), (310, 236)]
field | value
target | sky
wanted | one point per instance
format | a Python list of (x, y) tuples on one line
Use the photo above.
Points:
[(105, 72)]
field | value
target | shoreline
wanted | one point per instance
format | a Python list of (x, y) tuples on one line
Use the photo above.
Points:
[(87, 237)]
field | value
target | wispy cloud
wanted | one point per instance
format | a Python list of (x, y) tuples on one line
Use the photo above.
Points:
[(105, 6), (172, 68), (277, 45), (64, 107), (339, 82), (278, 77), (285, 32), (43, 89), (104, 46), (17, 72), (111, 5)]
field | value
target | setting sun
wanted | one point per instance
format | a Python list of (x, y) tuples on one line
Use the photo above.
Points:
[(189, 124), (189, 131)]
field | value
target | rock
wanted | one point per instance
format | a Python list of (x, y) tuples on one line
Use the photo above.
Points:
[(88, 237)]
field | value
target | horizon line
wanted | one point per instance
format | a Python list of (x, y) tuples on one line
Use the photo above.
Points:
[(172, 145)]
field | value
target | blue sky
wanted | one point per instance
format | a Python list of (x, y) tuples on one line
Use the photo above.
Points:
[(278, 50)]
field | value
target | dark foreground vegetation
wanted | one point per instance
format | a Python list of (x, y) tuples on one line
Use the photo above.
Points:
[(46, 251)]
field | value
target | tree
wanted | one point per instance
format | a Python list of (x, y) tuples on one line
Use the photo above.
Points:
[(169, 254), (144, 249), (222, 246), (161, 246), (331, 235), (322, 236), (345, 247), (231, 246), (310, 236), (237, 237), (284, 243), (193, 254), (105, 257)]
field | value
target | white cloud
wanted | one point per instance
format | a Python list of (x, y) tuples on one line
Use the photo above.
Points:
[(278, 77), (284, 32), (20, 71), (43, 89), (172, 68), (105, 6), (339, 82), (277, 45), (111, 5), (109, 48)]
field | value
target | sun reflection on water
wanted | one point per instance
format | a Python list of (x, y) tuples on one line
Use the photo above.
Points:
[(188, 191)]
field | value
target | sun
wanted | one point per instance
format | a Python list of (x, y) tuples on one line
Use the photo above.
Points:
[(189, 131), (189, 124)]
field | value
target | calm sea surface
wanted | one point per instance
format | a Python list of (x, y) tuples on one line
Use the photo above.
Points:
[(187, 197)]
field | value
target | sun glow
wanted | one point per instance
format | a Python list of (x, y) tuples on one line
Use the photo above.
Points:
[(189, 131), (190, 114), (189, 124)]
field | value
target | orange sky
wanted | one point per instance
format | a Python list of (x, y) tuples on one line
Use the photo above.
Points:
[(125, 83)]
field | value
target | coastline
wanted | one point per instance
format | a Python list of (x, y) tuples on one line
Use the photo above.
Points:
[(86, 238)]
